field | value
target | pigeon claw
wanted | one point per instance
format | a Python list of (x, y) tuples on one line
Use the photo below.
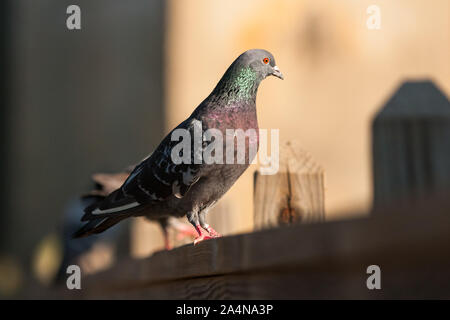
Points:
[(201, 238), (213, 233)]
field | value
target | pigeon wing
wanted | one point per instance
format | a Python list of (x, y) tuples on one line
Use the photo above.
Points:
[(155, 179)]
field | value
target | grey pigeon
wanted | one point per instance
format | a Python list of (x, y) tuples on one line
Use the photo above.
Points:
[(160, 187)]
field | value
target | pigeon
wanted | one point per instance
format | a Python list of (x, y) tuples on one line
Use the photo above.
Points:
[(161, 186), (106, 183)]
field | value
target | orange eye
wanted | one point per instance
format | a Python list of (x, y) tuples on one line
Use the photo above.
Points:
[(266, 60)]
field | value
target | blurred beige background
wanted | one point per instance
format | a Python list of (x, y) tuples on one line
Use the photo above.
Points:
[(337, 73)]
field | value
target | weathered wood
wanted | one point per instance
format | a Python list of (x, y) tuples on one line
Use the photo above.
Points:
[(411, 144), (294, 194), (326, 260)]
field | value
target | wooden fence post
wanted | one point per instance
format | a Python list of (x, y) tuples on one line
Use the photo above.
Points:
[(294, 194), (411, 144)]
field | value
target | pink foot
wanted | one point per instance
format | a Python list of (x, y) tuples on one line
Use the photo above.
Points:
[(213, 233), (201, 235), (201, 238)]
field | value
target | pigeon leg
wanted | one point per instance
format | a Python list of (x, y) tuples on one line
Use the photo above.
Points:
[(167, 244), (194, 220), (202, 217), (164, 225)]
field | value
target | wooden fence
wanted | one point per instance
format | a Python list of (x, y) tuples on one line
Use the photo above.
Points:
[(407, 235)]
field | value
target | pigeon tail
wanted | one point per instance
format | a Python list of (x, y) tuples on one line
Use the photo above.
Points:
[(114, 204), (97, 225)]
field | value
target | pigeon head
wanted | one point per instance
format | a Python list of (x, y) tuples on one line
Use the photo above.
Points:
[(241, 81), (261, 62)]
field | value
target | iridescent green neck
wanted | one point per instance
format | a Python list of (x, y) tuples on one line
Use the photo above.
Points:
[(245, 83), (238, 85)]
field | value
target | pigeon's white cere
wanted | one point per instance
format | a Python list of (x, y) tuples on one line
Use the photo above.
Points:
[(117, 209)]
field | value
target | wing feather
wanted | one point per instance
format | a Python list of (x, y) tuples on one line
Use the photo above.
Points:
[(155, 179)]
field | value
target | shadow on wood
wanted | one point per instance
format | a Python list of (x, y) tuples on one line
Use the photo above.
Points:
[(411, 144)]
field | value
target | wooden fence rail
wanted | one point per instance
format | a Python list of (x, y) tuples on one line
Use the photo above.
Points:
[(409, 240), (326, 260)]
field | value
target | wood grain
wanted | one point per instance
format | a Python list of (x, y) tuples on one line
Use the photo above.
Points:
[(294, 194), (327, 260)]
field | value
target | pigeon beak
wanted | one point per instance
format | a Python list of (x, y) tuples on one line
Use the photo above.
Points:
[(277, 73)]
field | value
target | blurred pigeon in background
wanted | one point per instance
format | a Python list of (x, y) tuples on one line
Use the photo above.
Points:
[(91, 254), (159, 188)]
